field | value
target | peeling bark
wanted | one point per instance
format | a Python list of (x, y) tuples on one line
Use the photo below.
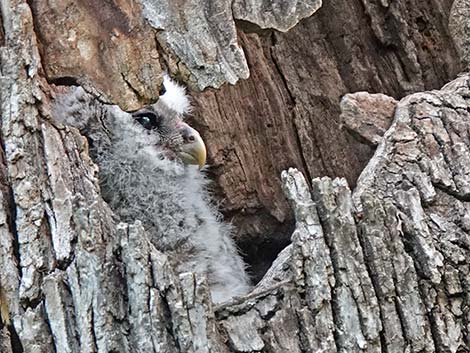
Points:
[(367, 116), (202, 38), (281, 15)]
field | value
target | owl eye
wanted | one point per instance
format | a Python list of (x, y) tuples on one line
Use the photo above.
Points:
[(145, 120), (149, 120), (162, 91)]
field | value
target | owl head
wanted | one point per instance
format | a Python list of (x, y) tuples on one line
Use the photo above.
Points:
[(165, 118)]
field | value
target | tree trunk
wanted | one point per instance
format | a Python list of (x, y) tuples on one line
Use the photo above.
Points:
[(381, 269)]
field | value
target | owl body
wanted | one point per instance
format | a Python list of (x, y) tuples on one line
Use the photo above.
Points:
[(141, 179)]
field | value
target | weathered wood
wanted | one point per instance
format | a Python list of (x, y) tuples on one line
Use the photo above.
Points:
[(281, 15), (367, 116), (459, 26), (106, 47), (286, 114), (382, 269), (199, 39), (420, 172)]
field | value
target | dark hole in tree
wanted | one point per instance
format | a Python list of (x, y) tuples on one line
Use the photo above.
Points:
[(260, 238), (65, 81)]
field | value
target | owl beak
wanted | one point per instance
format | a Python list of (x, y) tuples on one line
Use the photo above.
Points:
[(193, 150)]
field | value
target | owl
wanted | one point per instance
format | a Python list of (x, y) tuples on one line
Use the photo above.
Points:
[(150, 170)]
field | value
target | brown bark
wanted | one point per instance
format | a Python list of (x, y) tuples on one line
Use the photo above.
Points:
[(287, 113), (380, 269), (297, 79)]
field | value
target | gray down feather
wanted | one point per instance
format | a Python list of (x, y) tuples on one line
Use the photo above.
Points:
[(140, 183)]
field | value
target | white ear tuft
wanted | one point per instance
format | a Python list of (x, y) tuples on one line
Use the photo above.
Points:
[(175, 96)]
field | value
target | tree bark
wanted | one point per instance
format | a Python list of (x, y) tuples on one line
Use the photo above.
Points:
[(298, 79), (381, 269), (117, 50)]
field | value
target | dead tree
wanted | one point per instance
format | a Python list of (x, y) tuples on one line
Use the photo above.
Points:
[(381, 269)]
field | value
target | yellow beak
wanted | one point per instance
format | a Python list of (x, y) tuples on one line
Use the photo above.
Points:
[(193, 151)]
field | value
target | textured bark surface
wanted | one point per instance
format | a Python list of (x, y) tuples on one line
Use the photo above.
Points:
[(459, 26), (367, 116), (280, 15), (89, 43), (202, 36), (414, 223), (382, 269), (286, 114)]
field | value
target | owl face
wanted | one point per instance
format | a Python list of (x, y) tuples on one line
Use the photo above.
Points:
[(165, 118)]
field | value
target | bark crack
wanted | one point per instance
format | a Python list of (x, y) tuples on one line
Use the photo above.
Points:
[(15, 341), (132, 88), (295, 128), (12, 216)]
